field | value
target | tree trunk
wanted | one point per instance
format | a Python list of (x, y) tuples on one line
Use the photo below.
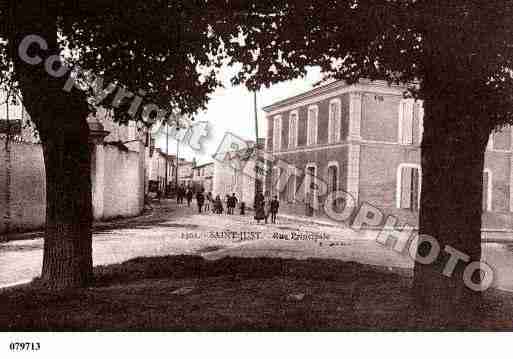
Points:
[(61, 120), (68, 246), (453, 150)]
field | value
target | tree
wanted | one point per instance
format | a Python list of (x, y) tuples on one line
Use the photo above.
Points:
[(159, 47), (458, 54)]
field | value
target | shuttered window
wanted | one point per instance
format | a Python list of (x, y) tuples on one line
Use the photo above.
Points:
[(312, 126), (277, 134), (487, 191), (293, 130), (334, 121), (291, 189), (410, 188), (406, 108)]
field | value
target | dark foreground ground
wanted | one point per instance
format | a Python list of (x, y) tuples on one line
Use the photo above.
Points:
[(193, 294)]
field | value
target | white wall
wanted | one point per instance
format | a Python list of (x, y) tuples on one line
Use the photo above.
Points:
[(118, 185)]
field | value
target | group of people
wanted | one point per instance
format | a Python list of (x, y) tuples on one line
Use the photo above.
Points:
[(207, 203), (266, 207), (231, 203), (184, 193)]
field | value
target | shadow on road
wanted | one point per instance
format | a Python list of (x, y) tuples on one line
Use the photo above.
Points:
[(192, 293)]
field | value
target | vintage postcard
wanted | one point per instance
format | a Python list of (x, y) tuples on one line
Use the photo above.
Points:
[(226, 166)]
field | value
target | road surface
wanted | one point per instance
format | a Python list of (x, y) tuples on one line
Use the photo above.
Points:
[(181, 230)]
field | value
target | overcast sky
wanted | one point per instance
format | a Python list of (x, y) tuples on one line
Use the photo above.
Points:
[(231, 109)]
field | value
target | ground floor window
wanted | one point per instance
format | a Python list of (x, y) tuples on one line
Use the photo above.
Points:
[(310, 188), (332, 178), (408, 187), (291, 187)]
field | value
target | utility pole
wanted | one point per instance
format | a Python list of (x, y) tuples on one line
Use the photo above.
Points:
[(7, 215), (177, 163), (167, 159), (257, 147)]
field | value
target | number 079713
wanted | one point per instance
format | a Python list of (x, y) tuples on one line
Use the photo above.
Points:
[(24, 346)]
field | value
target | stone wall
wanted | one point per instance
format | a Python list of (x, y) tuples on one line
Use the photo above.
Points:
[(22, 188), (117, 178)]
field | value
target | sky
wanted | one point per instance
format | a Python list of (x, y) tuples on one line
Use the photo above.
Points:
[(231, 109)]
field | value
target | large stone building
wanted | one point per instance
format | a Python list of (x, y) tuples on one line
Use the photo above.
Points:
[(365, 139)]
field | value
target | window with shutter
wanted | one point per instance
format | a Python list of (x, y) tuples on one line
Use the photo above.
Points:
[(334, 121), (291, 189), (406, 108), (421, 121), (293, 130), (332, 178), (409, 188), (487, 190), (312, 126), (277, 134)]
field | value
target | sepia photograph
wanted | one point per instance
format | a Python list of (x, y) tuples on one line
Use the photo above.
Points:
[(312, 171)]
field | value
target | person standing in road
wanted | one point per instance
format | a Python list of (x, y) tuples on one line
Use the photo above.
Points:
[(234, 202), (200, 200), (259, 207), (218, 205), (179, 196), (208, 202), (275, 205), (228, 204), (189, 196)]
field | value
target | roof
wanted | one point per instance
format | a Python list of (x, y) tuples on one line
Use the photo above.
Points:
[(161, 152), (313, 92), (327, 89), (204, 165)]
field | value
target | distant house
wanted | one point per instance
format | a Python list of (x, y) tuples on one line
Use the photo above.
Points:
[(235, 172), (202, 176), (157, 170), (185, 174)]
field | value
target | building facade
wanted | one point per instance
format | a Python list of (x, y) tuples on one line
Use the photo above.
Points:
[(185, 174), (364, 139), (202, 177), (234, 172), (157, 170)]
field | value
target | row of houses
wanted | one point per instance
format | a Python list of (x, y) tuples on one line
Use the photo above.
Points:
[(362, 138), (125, 169)]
